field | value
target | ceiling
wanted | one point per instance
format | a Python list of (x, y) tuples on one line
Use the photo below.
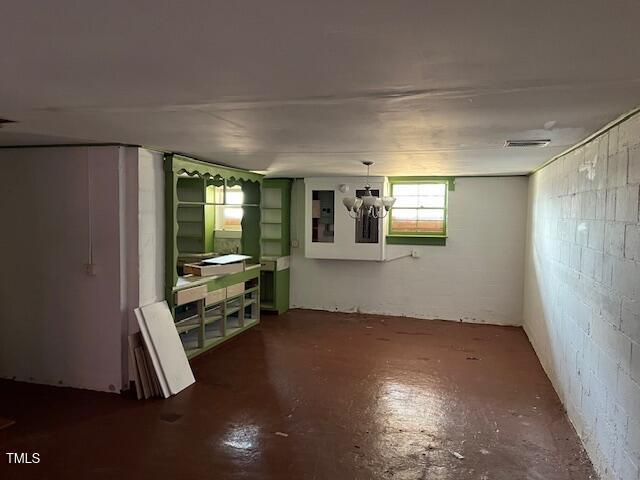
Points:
[(308, 87)]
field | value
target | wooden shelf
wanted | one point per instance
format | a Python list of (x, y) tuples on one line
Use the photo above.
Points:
[(188, 324), (213, 342), (219, 321)]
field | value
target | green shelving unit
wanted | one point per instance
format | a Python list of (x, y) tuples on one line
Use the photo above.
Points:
[(275, 226), (196, 220), (209, 310)]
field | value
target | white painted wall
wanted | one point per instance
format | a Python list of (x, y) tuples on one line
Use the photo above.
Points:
[(151, 220), (59, 325), (476, 277), (582, 292)]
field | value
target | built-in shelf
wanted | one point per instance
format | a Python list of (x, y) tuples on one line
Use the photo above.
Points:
[(214, 323)]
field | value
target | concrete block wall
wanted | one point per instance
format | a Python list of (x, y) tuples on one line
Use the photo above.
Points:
[(477, 277), (581, 307)]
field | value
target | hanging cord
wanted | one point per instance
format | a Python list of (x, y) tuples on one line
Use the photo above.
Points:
[(90, 210)]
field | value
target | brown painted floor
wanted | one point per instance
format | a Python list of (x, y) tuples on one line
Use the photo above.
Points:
[(358, 396)]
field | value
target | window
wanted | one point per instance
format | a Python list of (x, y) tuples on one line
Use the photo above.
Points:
[(420, 211), (228, 216)]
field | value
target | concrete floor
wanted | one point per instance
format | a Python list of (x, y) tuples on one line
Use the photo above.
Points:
[(316, 395)]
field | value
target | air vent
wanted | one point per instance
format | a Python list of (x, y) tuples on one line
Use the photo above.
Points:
[(4, 121), (527, 143)]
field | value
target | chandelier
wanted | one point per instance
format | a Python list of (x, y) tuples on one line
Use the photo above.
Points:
[(368, 205)]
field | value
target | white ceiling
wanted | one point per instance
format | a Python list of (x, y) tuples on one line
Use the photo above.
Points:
[(308, 87)]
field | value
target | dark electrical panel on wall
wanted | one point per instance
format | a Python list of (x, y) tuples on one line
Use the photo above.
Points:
[(367, 226)]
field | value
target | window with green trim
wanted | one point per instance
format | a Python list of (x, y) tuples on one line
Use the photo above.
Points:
[(420, 209), (229, 213)]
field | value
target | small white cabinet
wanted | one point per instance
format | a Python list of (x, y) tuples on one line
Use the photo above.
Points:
[(330, 233)]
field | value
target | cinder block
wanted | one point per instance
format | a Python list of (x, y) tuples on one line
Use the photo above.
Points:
[(607, 270), (632, 438), (565, 207), (610, 213), (576, 206), (626, 278), (614, 239), (607, 370), (628, 393), (606, 438), (588, 205), (632, 242), (596, 235), (630, 320), (629, 132), (587, 167), (600, 180), (627, 204), (576, 253), (565, 253), (598, 267), (614, 414), (617, 169), (601, 205), (582, 233), (613, 136), (634, 164), (588, 262), (634, 369), (615, 345), (611, 307), (627, 466)]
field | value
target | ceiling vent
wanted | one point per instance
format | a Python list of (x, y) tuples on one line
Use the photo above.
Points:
[(527, 143), (4, 121)]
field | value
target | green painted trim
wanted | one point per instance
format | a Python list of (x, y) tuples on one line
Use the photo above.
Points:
[(281, 294), (450, 187), (209, 223), (171, 229), (415, 240), (250, 225), (450, 181), (191, 166), (622, 118)]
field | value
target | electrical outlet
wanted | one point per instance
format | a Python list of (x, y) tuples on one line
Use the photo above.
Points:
[(90, 269), (415, 254), (295, 244)]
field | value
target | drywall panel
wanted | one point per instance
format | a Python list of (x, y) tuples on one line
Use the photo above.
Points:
[(61, 321), (582, 292), (476, 277), (165, 348)]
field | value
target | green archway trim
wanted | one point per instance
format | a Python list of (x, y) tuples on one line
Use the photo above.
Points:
[(192, 167), (176, 166)]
